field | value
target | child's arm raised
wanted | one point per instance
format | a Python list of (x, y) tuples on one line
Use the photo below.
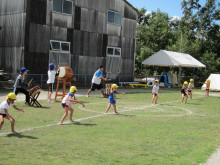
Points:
[(19, 109)]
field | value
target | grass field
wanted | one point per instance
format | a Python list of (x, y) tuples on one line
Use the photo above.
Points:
[(163, 134)]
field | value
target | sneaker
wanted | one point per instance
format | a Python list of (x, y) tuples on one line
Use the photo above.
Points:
[(50, 101), (87, 95)]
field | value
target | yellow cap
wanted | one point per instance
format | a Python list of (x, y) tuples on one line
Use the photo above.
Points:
[(73, 89), (207, 80), (114, 86), (185, 82), (11, 96), (156, 81), (191, 80)]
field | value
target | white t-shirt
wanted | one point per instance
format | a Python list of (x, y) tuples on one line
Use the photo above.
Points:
[(156, 89), (51, 76), (66, 99), (96, 77), (4, 105)]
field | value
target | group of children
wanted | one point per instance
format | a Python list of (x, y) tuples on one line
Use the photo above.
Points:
[(70, 98)]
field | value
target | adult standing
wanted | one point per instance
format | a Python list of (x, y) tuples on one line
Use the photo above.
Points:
[(20, 85), (96, 81)]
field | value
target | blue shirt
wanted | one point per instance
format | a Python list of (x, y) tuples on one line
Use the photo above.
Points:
[(112, 98), (96, 77)]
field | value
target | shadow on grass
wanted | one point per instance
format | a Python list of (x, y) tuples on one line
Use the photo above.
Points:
[(84, 124), (18, 135)]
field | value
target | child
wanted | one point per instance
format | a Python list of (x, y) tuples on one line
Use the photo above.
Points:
[(207, 87), (4, 107), (190, 88), (183, 91), (20, 85), (155, 91), (112, 98), (51, 78), (66, 104)]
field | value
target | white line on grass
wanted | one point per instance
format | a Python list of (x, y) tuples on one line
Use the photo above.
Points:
[(91, 117)]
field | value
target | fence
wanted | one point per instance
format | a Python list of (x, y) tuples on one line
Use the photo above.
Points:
[(80, 80)]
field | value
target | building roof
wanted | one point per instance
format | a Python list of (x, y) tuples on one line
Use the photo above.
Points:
[(131, 6), (173, 59)]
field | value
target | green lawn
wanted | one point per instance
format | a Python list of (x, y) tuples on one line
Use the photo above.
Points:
[(163, 134)]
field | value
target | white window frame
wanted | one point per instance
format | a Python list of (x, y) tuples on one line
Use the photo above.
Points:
[(62, 8), (114, 18), (113, 51), (60, 42)]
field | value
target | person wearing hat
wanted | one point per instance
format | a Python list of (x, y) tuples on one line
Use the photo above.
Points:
[(155, 91), (51, 78), (183, 91), (66, 104), (112, 98), (190, 88), (4, 108), (20, 85)]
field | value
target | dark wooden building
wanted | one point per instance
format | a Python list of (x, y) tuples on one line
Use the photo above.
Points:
[(82, 34)]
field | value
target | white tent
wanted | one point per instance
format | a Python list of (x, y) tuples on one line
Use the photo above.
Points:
[(215, 82), (173, 59)]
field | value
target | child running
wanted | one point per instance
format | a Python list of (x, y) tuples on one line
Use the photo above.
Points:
[(4, 107), (155, 91), (112, 98), (66, 104), (183, 91), (190, 88)]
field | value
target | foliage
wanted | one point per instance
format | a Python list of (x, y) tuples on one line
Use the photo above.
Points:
[(196, 33)]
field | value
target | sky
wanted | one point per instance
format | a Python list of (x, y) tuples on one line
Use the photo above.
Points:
[(172, 7)]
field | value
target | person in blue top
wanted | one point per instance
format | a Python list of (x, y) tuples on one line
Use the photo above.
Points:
[(96, 81), (112, 98)]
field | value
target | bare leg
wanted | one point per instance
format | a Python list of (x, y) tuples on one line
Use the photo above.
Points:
[(89, 91), (1, 121), (182, 97), (64, 115), (156, 99), (186, 99), (71, 114), (102, 90), (12, 120), (114, 105), (153, 99), (49, 96), (109, 106)]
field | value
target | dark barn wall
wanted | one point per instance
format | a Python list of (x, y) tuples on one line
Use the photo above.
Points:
[(93, 17), (37, 36), (31, 24), (12, 19)]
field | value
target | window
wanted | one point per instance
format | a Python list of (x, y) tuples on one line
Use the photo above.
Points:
[(114, 18), (113, 51), (63, 6), (60, 46)]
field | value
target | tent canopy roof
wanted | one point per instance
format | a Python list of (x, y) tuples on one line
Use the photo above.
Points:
[(173, 59)]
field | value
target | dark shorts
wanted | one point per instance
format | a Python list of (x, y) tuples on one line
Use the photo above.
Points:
[(96, 86), (155, 94), (64, 105), (183, 92), (189, 91), (50, 87), (4, 115), (207, 89)]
